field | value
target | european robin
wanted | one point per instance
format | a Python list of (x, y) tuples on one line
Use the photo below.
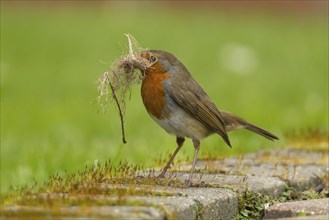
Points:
[(182, 108)]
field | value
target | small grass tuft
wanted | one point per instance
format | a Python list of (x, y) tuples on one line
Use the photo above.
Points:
[(252, 205)]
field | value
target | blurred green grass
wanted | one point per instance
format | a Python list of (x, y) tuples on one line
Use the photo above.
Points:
[(50, 60)]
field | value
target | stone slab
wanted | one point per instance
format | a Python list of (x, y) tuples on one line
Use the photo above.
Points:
[(183, 203), (214, 203), (175, 207), (271, 186), (313, 217), (295, 208), (301, 169), (83, 212), (190, 202)]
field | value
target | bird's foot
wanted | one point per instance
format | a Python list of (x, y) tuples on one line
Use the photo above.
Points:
[(188, 183), (161, 175), (140, 177)]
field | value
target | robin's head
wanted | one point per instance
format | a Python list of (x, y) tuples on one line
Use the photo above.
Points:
[(160, 62)]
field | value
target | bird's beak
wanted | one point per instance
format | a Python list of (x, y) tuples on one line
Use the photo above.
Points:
[(140, 61), (135, 61)]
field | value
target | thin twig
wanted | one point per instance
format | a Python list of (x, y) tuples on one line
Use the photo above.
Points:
[(121, 115)]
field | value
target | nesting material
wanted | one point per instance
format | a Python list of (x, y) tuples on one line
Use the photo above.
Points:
[(114, 84)]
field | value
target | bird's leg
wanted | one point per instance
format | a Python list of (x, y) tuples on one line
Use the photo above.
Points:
[(180, 142), (196, 144)]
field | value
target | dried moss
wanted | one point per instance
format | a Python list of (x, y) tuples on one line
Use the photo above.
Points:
[(125, 72)]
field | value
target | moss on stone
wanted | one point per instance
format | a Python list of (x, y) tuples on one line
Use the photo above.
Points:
[(252, 205), (95, 180)]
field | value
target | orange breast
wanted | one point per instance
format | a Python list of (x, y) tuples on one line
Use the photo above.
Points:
[(153, 93)]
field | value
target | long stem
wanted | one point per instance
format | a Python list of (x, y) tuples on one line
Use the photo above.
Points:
[(121, 115)]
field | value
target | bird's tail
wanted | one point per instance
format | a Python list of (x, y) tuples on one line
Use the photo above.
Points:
[(233, 122)]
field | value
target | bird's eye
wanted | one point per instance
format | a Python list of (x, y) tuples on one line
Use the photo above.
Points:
[(152, 59)]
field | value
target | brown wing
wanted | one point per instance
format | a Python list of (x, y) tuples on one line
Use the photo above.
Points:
[(189, 95)]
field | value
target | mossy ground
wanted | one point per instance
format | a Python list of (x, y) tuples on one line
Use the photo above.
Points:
[(92, 187), (108, 184), (83, 187)]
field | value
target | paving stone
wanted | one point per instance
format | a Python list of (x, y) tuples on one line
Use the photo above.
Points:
[(176, 208), (214, 203), (313, 217), (295, 208), (184, 203), (83, 212), (207, 203), (271, 186), (301, 177), (188, 203), (301, 169)]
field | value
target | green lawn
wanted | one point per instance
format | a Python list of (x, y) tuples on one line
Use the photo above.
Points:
[(270, 69)]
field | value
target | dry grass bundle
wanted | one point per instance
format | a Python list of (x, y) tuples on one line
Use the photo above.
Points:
[(114, 84)]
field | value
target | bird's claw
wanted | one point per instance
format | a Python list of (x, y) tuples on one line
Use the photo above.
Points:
[(161, 176), (188, 183)]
